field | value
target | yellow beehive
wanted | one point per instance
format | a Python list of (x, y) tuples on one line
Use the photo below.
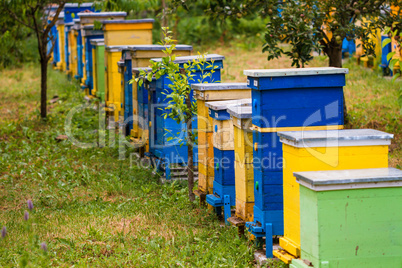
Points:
[(128, 32), (243, 151), (140, 57), (120, 67), (396, 45), (211, 93), (113, 80), (375, 37), (323, 150)]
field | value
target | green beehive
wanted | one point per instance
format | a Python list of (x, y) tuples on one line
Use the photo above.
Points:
[(98, 56), (350, 218)]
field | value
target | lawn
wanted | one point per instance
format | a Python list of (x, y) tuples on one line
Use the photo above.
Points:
[(92, 209)]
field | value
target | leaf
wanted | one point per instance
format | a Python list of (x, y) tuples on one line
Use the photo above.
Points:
[(395, 77), (386, 42), (390, 55)]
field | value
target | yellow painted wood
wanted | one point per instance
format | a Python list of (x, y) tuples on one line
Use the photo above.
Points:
[(244, 180), (94, 73), (244, 210), (127, 26), (113, 82), (61, 65), (221, 95), (331, 158), (73, 53), (84, 69), (243, 144), (279, 129), (223, 137), (125, 37)]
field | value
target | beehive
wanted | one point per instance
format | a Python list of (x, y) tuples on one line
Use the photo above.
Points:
[(89, 18), (224, 156), (72, 38), (323, 150), (72, 9), (396, 44), (285, 100), (209, 93), (79, 54), (88, 34), (142, 119), (350, 218), (57, 32), (128, 32), (113, 80), (121, 69), (243, 149), (139, 56), (67, 44), (384, 53), (98, 56), (163, 129)]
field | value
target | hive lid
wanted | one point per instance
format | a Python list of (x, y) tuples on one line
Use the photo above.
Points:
[(69, 24), (127, 21), (219, 86), (115, 48), (71, 5), (98, 42), (120, 63), (223, 105), (185, 59), (76, 21), (241, 112), (295, 71), (332, 138), (89, 27), (350, 179), (101, 14), (158, 47), (138, 69)]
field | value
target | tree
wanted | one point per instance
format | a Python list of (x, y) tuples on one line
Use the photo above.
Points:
[(34, 14), (180, 106), (308, 25)]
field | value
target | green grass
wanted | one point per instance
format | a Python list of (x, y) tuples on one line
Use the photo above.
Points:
[(90, 208)]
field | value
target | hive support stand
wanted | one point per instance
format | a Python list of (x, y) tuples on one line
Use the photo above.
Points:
[(239, 223), (226, 208), (268, 240)]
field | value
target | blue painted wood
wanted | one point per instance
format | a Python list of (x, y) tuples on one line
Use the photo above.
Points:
[(56, 51), (88, 64), (285, 101), (173, 151), (219, 191), (385, 51), (219, 115), (67, 28), (268, 241), (80, 64), (71, 10), (224, 166), (227, 211), (128, 93), (297, 107)]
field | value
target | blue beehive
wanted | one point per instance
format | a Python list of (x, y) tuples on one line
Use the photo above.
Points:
[(67, 28), (80, 66), (72, 9), (57, 45), (287, 99), (224, 192), (162, 130), (89, 34), (348, 46)]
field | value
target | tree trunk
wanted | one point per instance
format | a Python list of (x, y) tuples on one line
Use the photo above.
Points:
[(335, 60), (43, 88)]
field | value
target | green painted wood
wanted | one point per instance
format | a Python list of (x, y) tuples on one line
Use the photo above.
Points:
[(352, 228), (100, 61)]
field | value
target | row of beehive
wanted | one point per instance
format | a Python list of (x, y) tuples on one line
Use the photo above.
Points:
[(236, 134)]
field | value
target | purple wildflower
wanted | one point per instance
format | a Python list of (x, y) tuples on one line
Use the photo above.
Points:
[(43, 246), (26, 216), (3, 232), (30, 204)]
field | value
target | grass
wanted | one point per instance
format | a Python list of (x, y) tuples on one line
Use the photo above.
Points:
[(92, 209)]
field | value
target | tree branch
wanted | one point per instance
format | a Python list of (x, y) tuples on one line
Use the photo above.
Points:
[(17, 18), (55, 18)]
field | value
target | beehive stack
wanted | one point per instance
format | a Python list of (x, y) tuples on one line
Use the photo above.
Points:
[(323, 150), (98, 67)]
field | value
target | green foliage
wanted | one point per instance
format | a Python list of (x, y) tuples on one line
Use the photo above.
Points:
[(94, 210)]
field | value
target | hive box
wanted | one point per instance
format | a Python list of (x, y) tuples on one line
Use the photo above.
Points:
[(137, 56), (164, 140), (350, 218), (98, 67), (128, 32), (209, 93), (67, 44), (286, 100), (244, 174), (87, 18), (224, 193), (323, 150)]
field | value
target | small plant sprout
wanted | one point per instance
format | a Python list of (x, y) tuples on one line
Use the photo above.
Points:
[(26, 216), (30, 204)]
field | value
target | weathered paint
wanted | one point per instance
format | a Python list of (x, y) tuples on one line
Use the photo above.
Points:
[(357, 225), (286, 98), (323, 150), (89, 34), (99, 68)]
